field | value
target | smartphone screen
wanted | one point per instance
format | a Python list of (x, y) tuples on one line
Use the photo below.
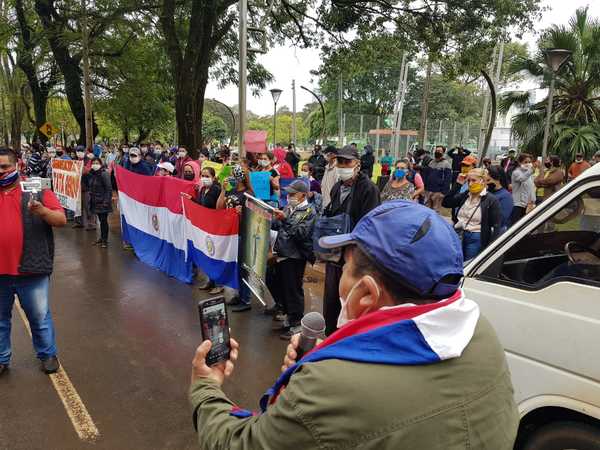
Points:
[(215, 327)]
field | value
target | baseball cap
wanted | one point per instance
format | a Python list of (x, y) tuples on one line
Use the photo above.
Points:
[(411, 243), (297, 186), (134, 151), (348, 152), (331, 149), (167, 166)]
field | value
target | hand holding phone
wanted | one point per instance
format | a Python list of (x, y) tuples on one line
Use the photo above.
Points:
[(214, 324)]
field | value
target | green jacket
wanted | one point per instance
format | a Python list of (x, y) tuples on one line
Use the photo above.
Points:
[(462, 403)]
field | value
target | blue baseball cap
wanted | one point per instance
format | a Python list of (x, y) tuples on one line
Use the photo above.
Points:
[(412, 244)]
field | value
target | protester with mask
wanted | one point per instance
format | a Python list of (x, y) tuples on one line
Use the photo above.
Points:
[(209, 189), (307, 171), (415, 364), (438, 176), (479, 218), (523, 187), (100, 189), (293, 248), (233, 196), (264, 164), (165, 169), (498, 186), (367, 160), (27, 254), (182, 159), (399, 188), (330, 176), (578, 167), (87, 219), (552, 179), (355, 195), (34, 163), (191, 171), (136, 164)]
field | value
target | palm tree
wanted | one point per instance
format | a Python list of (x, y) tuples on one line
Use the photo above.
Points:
[(576, 105)]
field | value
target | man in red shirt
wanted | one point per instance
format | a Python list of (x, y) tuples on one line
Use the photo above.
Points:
[(27, 249)]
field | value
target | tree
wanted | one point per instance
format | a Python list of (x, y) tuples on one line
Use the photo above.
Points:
[(213, 128), (41, 72), (576, 105)]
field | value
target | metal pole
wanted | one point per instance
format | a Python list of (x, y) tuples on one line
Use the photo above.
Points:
[(340, 113), (87, 94), (377, 135), (361, 125), (243, 38), (294, 111), (274, 123), (548, 120), (453, 143), (401, 106), (439, 138)]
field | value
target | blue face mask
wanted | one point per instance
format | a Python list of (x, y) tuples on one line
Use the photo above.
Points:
[(399, 174), (9, 178), (232, 182)]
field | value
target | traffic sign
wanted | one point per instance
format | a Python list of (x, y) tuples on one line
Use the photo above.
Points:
[(48, 130)]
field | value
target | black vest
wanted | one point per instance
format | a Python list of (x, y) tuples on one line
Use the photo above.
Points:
[(38, 242)]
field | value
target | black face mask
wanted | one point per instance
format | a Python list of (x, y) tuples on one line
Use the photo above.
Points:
[(188, 176), (547, 165), (438, 155)]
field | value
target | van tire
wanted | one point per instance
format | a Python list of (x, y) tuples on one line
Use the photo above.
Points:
[(562, 435)]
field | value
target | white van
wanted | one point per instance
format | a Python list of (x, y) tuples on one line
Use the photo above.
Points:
[(539, 285)]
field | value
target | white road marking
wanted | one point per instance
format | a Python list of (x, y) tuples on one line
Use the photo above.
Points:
[(80, 418)]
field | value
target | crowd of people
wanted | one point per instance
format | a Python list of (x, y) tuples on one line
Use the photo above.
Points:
[(481, 199)]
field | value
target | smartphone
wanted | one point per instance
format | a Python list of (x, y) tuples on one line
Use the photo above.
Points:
[(215, 328)]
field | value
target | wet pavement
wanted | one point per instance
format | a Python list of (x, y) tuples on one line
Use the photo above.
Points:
[(126, 335)]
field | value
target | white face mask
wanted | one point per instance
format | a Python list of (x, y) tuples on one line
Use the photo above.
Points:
[(182, 154), (134, 158), (52, 154), (96, 166), (263, 162), (343, 317), (293, 202), (144, 149), (304, 174), (344, 173), (207, 181), (125, 150), (80, 155), (528, 166)]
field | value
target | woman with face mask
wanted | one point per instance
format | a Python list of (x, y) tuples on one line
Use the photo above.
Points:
[(399, 187), (264, 164), (181, 161), (498, 185), (209, 189), (523, 187), (479, 218), (307, 171), (191, 172), (100, 190)]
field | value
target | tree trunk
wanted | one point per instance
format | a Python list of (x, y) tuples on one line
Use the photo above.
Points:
[(425, 104), (68, 64), (189, 110)]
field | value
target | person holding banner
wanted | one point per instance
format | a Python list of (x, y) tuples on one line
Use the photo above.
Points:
[(100, 189), (265, 164), (209, 189), (232, 196), (27, 249)]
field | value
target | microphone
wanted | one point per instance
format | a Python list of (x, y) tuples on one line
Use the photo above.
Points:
[(313, 327)]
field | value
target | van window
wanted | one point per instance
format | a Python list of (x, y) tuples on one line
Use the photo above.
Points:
[(565, 247)]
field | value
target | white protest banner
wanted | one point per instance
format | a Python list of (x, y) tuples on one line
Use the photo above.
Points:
[(66, 183)]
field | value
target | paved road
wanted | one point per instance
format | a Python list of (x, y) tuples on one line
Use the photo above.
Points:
[(126, 334)]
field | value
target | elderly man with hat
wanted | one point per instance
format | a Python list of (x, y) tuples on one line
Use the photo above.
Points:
[(354, 194), (292, 249), (414, 365)]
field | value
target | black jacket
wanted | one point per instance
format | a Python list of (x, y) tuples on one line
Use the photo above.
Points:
[(366, 164), (208, 198), (491, 214), (295, 233), (365, 197), (37, 256), (100, 189)]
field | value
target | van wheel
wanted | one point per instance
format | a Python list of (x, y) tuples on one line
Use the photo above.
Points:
[(564, 436)]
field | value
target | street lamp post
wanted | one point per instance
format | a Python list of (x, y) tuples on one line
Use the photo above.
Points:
[(276, 93), (555, 58)]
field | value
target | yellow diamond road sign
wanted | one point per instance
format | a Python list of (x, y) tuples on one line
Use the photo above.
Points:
[(48, 130)]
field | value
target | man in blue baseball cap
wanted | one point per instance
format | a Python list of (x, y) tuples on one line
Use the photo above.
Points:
[(413, 365)]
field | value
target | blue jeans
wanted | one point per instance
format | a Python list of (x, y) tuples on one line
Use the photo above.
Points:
[(32, 291), (471, 245)]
